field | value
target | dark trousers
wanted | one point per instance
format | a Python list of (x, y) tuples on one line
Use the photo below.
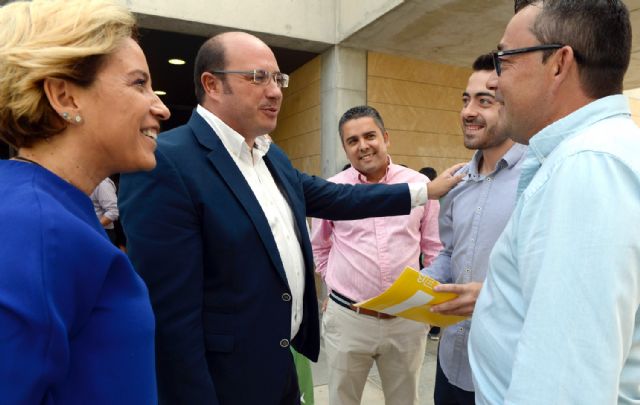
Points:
[(291, 395), (446, 393), (111, 233)]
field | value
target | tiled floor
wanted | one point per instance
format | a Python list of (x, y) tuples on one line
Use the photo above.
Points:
[(373, 391)]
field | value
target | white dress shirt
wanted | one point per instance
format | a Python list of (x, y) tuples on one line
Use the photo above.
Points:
[(105, 201), (274, 205)]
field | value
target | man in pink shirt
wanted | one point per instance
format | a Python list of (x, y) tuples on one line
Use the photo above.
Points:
[(359, 260)]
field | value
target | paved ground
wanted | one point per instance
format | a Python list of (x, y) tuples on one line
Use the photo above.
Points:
[(373, 391)]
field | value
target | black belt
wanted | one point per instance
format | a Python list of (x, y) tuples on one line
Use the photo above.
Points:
[(348, 303)]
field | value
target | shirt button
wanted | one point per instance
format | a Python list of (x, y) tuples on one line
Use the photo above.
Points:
[(286, 297), (284, 343), (478, 209), (467, 269), (488, 178)]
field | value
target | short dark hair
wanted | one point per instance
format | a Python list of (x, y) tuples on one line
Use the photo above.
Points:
[(483, 62), (520, 4), (430, 172), (211, 56), (599, 31), (361, 111)]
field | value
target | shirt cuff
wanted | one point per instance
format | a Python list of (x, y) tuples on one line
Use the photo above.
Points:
[(113, 216), (418, 193)]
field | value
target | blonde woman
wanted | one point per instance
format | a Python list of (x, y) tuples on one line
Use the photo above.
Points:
[(76, 101)]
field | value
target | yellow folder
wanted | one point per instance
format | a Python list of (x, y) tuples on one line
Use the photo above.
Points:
[(411, 296)]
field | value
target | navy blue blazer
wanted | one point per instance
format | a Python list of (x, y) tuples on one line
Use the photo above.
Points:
[(199, 239)]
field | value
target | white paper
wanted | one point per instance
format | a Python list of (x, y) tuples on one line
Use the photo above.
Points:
[(416, 300)]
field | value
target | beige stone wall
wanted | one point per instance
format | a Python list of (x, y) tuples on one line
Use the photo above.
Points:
[(420, 103), (298, 130), (634, 105)]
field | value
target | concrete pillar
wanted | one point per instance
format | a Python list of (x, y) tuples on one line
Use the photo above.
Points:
[(343, 85)]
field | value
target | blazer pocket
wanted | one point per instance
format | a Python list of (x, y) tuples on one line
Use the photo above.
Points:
[(219, 343)]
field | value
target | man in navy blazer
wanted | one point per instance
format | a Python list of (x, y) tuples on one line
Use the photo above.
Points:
[(218, 233)]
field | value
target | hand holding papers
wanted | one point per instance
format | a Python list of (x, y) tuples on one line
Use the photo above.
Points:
[(464, 303), (411, 296)]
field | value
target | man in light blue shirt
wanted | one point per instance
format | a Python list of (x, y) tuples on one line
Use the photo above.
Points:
[(557, 320), (472, 216)]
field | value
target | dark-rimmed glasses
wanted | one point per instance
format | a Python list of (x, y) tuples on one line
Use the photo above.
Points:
[(260, 77), (498, 54)]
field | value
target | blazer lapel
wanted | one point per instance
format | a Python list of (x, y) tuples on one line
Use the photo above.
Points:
[(230, 173), (289, 195)]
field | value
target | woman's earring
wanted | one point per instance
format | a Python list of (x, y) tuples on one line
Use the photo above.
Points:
[(77, 119)]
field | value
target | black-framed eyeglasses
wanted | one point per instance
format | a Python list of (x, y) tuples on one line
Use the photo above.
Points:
[(498, 54), (260, 77)]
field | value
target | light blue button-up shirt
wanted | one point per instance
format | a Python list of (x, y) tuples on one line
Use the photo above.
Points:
[(472, 216), (558, 320)]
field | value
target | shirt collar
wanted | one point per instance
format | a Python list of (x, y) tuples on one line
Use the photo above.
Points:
[(232, 140), (361, 178), (509, 159), (514, 154), (545, 141)]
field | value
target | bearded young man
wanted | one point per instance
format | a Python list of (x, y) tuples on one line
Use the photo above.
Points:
[(472, 217)]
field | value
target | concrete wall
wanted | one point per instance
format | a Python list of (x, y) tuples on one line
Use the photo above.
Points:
[(296, 19), (420, 103), (354, 15), (298, 131), (343, 85), (298, 24)]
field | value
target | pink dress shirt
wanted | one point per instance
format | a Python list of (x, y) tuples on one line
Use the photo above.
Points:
[(360, 259)]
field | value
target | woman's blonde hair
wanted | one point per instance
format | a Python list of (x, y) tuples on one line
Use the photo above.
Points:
[(65, 39)]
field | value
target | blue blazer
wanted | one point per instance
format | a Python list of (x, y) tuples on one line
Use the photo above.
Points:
[(199, 239)]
